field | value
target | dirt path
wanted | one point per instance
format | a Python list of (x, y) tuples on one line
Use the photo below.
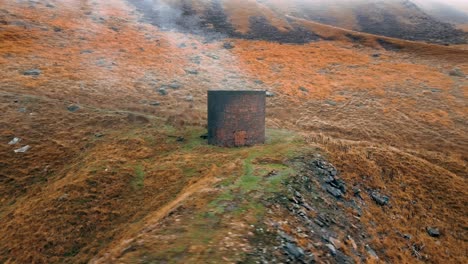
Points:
[(151, 221)]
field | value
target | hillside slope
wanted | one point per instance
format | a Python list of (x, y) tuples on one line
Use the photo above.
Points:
[(250, 19), (113, 108), (445, 11)]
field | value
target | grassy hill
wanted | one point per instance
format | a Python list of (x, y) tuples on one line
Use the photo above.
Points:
[(112, 106)]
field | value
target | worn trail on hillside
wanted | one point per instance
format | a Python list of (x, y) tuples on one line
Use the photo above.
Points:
[(152, 220)]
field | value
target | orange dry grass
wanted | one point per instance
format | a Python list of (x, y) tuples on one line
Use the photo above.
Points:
[(463, 27), (324, 69), (113, 66), (400, 119), (82, 209), (416, 188), (240, 15)]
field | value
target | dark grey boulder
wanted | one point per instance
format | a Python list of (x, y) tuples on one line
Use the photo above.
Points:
[(191, 71), (32, 72), (162, 91), (334, 191), (433, 231), (294, 251), (457, 72), (73, 108), (175, 85), (379, 199), (228, 45)]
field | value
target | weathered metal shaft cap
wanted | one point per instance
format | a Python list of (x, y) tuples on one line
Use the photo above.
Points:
[(236, 118)]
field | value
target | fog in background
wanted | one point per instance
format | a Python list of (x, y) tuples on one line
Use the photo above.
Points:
[(461, 4), (454, 11), (426, 5)]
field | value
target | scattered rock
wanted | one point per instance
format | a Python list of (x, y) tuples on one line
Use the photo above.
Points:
[(180, 139), (101, 62), (331, 102), (23, 149), (285, 236), (294, 251), (114, 28), (32, 72), (182, 45), (375, 55), (99, 135), (371, 252), (353, 243), (456, 72), (379, 199), (317, 228), (433, 231), (331, 248), (357, 192), (155, 103), (228, 45), (73, 108), (189, 98), (319, 223), (258, 81), (57, 29), (307, 206), (302, 213), (191, 71), (335, 242), (175, 85), (162, 91), (298, 195), (14, 141), (63, 197), (269, 94), (196, 59), (86, 52), (204, 136), (334, 191), (302, 88), (213, 56), (294, 200), (340, 184)]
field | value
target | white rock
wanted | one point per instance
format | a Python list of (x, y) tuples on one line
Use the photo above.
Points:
[(23, 149), (14, 141)]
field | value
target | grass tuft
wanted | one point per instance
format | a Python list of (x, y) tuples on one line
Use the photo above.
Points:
[(138, 181)]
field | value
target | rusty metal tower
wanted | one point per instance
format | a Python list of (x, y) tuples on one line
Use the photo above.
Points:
[(236, 118)]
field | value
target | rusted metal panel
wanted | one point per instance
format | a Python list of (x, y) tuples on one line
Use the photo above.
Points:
[(236, 118)]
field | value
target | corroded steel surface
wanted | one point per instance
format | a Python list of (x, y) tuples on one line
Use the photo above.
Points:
[(236, 118)]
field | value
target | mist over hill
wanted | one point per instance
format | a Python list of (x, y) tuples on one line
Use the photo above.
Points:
[(104, 156), (447, 11), (271, 19)]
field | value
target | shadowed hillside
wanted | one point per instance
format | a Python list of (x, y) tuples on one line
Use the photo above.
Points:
[(268, 19)]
